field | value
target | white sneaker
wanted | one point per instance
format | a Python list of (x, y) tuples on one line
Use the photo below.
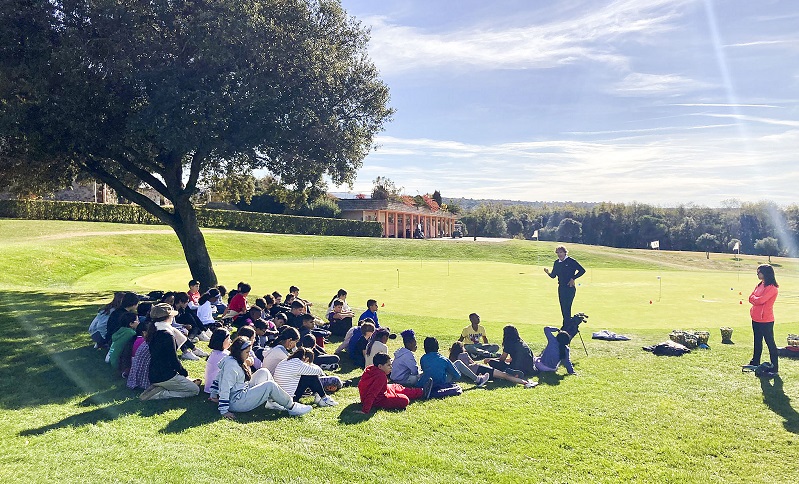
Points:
[(531, 384), (194, 340), (327, 401), (299, 409), (482, 380), (200, 353), (188, 355), (270, 405), (204, 336)]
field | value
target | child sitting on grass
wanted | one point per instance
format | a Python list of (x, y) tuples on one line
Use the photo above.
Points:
[(358, 353), (556, 351), (297, 374), (309, 326), (438, 373), (516, 358), (404, 369), (458, 353), (249, 332), (284, 344), (339, 319), (219, 344), (169, 378), (98, 329), (377, 344), (371, 312), (475, 340), (241, 390), (121, 338), (376, 392), (139, 374)]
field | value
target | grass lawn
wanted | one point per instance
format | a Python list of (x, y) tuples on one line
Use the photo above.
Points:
[(628, 416)]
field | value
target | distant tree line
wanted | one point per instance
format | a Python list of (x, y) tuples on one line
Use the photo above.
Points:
[(759, 228)]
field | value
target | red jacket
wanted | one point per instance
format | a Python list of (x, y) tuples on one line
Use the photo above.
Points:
[(762, 301), (372, 386)]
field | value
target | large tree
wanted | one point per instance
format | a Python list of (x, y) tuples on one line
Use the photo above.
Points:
[(168, 93)]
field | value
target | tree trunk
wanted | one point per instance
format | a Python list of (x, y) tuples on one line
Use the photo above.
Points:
[(193, 243)]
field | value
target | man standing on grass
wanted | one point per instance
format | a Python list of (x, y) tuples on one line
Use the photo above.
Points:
[(566, 270)]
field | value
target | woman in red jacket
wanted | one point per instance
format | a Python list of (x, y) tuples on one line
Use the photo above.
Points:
[(762, 312)]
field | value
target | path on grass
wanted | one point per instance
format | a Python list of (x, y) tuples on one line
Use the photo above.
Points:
[(170, 231), (102, 234)]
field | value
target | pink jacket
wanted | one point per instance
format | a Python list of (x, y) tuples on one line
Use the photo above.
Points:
[(762, 301)]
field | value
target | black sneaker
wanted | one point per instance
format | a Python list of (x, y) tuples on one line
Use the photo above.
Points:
[(428, 389), (516, 373)]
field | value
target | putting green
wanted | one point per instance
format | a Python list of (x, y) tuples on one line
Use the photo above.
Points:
[(615, 299)]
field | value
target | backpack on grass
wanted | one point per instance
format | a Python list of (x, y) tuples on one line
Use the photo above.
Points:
[(763, 369), (667, 348)]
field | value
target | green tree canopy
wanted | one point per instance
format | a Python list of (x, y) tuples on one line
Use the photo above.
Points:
[(569, 230), (165, 94), (767, 246), (707, 242)]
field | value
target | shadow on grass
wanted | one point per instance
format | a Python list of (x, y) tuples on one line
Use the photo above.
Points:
[(34, 329), (550, 378), (349, 415), (131, 406), (774, 396)]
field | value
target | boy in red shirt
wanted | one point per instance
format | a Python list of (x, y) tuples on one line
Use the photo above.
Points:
[(194, 294), (377, 392), (238, 307)]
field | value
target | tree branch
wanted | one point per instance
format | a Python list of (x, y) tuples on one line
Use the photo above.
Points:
[(194, 173), (96, 169), (145, 176)]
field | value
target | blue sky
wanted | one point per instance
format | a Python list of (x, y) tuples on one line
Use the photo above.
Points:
[(656, 101)]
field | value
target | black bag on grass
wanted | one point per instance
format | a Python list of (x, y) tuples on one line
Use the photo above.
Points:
[(667, 348)]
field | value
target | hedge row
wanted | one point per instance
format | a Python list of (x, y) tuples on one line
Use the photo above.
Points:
[(219, 219)]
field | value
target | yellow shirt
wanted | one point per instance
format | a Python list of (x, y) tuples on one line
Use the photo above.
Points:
[(471, 336)]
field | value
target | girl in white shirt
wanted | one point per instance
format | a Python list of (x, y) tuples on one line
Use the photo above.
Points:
[(377, 344), (298, 374)]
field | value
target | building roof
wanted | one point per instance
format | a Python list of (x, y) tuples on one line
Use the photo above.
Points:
[(376, 204)]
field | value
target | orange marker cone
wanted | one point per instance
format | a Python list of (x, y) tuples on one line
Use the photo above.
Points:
[(383, 305), (650, 301)]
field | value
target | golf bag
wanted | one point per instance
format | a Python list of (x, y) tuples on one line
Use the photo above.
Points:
[(573, 325), (763, 369)]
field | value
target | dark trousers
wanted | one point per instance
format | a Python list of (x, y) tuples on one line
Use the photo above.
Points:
[(309, 382), (566, 297), (505, 368), (764, 331), (326, 360), (339, 327)]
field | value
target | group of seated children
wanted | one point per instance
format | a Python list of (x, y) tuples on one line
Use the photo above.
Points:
[(269, 361), (277, 355), (437, 375)]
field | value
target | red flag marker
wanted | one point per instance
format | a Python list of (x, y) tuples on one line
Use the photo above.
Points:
[(383, 305), (650, 301), (740, 302)]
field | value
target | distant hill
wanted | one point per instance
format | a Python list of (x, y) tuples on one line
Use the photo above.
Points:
[(470, 203)]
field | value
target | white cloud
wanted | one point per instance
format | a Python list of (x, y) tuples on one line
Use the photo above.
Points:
[(725, 105), (586, 36), (756, 119), (758, 43), (640, 84), (692, 166)]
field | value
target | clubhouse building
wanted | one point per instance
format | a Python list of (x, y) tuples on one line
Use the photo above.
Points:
[(398, 219)]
